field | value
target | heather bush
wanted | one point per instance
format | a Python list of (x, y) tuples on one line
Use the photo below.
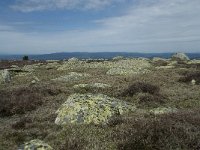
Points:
[(138, 87), (171, 131), (189, 76), (19, 100)]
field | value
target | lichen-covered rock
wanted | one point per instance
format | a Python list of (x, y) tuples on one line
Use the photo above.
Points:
[(5, 76), (126, 71), (129, 67), (118, 58), (90, 108), (73, 60), (165, 67), (30, 68), (72, 76), (163, 110), (125, 64), (52, 65), (180, 57), (194, 61), (35, 145), (92, 85)]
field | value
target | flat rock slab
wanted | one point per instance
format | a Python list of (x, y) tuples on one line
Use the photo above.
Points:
[(91, 108)]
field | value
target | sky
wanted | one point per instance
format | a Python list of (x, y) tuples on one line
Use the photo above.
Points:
[(49, 26)]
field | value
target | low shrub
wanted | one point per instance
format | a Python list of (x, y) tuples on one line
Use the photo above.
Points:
[(188, 77), (138, 87), (170, 131), (150, 100), (21, 124), (25, 58), (73, 143), (19, 100)]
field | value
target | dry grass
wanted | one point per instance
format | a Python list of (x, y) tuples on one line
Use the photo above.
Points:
[(30, 112)]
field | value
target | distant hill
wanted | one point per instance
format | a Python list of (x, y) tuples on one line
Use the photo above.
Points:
[(94, 55)]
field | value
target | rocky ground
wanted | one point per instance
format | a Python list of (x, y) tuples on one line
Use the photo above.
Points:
[(119, 104)]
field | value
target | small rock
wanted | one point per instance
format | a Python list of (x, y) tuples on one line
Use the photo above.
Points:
[(73, 60), (163, 110), (118, 58), (6, 77), (35, 145), (33, 82), (92, 85), (193, 82)]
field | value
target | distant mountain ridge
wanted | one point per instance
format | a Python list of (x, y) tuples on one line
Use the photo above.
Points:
[(94, 55)]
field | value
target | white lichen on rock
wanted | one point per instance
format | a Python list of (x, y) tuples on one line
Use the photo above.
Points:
[(91, 108), (5, 76), (31, 68), (35, 145), (118, 58), (92, 85), (180, 57), (52, 65), (125, 66), (163, 110), (129, 67), (72, 76)]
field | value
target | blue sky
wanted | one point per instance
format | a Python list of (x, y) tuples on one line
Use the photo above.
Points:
[(47, 26)]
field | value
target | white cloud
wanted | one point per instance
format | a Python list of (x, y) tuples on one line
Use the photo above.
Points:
[(39, 5), (161, 26)]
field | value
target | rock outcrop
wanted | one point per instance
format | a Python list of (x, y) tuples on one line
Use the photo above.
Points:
[(180, 57), (90, 108)]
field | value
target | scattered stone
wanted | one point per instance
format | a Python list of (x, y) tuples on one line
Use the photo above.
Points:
[(92, 85), (29, 68), (90, 108), (33, 82), (165, 67), (35, 145), (180, 57), (193, 82), (72, 76), (194, 61), (51, 61), (52, 65), (14, 66), (118, 58), (73, 60), (129, 67), (36, 79), (5, 76), (163, 110)]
